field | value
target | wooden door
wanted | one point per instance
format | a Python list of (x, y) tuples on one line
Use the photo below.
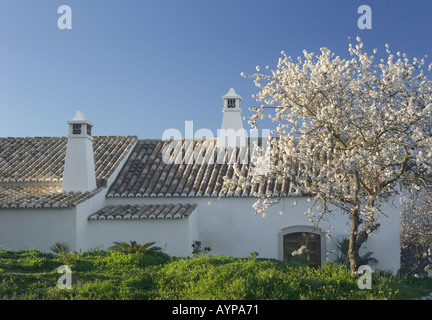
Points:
[(312, 241)]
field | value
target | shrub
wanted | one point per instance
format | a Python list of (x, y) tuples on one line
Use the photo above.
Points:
[(198, 250), (120, 263), (343, 260), (38, 262), (157, 276), (62, 250), (416, 233), (227, 278), (60, 247), (134, 247), (68, 258)]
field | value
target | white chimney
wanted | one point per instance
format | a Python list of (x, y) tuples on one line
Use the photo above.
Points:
[(232, 134), (79, 170)]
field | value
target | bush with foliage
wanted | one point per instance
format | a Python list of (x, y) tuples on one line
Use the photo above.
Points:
[(62, 249), (416, 232), (230, 278), (342, 258), (117, 262), (112, 275), (198, 250), (134, 247)]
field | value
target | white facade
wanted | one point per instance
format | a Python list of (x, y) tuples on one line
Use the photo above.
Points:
[(36, 228), (228, 226)]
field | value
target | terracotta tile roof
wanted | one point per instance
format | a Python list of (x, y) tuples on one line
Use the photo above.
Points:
[(40, 197), (42, 159), (156, 211), (146, 175)]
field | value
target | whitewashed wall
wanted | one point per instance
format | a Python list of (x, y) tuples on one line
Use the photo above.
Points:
[(169, 234), (84, 234), (230, 227), (36, 228)]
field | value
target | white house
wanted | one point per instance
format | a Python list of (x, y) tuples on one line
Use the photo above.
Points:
[(90, 191)]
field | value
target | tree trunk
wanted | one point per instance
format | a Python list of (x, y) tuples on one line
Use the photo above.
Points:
[(354, 245), (357, 238)]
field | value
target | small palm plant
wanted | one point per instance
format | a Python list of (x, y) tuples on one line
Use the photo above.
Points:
[(343, 260), (62, 250), (60, 247), (134, 247)]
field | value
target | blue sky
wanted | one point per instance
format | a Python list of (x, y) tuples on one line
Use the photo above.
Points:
[(139, 67)]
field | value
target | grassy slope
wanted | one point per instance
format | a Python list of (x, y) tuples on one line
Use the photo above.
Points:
[(109, 275)]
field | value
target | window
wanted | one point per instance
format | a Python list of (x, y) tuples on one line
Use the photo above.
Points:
[(293, 238), (231, 103), (89, 130), (76, 128)]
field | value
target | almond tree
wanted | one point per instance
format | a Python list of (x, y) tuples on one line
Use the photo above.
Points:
[(357, 131)]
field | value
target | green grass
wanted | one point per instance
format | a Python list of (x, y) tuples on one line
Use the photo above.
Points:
[(106, 275)]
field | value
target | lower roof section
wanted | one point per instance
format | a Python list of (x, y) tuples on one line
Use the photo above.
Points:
[(155, 211), (40, 197)]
